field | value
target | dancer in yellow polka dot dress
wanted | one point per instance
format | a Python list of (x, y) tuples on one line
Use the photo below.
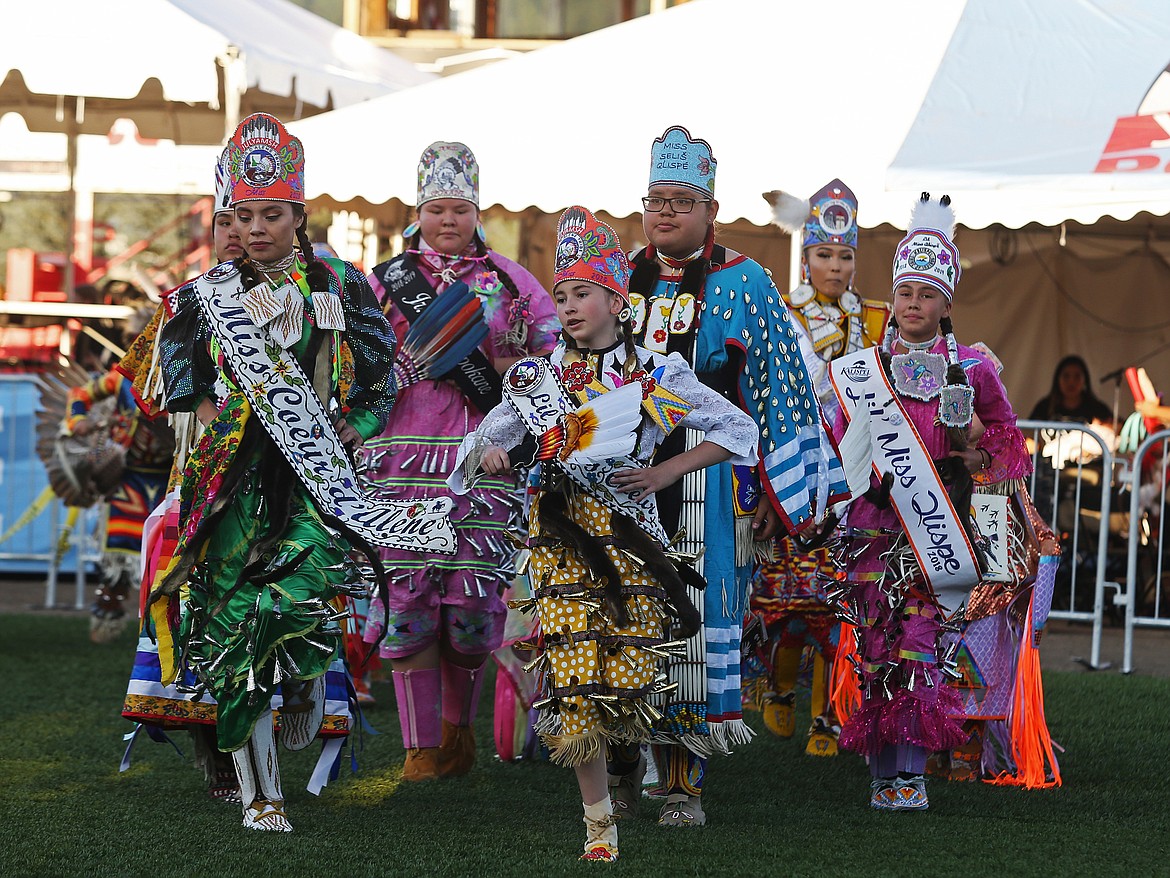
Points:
[(587, 653), (606, 587)]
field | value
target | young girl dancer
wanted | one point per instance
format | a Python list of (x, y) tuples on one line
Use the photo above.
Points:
[(604, 578), (910, 547), (788, 592)]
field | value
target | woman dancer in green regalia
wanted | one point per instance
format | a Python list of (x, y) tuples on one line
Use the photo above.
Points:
[(261, 558)]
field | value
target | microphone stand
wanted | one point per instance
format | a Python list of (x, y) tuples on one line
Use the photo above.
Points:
[(1116, 375)]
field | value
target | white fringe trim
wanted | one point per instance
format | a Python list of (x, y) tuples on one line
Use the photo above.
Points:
[(745, 542), (722, 738)]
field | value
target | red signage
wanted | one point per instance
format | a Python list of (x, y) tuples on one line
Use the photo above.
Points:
[(1138, 143)]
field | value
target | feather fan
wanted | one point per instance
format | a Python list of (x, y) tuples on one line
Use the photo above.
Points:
[(605, 427), (447, 331)]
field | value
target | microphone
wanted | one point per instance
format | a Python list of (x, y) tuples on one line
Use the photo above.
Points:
[(1115, 375)]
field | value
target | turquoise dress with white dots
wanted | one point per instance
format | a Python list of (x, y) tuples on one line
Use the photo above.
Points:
[(746, 348)]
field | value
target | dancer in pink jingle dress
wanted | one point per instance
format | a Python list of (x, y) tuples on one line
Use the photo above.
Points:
[(907, 711), (445, 615)]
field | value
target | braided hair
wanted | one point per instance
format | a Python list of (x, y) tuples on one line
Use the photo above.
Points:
[(316, 272), (956, 374), (625, 333), (482, 250), (412, 243)]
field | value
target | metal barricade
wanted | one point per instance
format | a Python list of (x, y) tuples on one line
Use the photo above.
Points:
[(1147, 524), (34, 543), (1071, 464)]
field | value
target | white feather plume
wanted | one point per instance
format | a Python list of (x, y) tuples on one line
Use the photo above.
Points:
[(788, 211), (929, 213), (618, 414)]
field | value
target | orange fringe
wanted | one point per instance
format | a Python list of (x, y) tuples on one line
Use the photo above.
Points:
[(1031, 743), (844, 687)]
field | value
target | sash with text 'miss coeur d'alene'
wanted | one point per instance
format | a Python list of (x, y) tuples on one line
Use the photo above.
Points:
[(293, 415)]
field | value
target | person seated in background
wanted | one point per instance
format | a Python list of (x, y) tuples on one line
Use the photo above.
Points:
[(1072, 397)]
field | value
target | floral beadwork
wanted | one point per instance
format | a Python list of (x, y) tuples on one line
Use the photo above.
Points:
[(210, 460), (576, 376)]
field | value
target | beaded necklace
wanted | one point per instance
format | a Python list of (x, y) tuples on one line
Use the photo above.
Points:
[(918, 345)]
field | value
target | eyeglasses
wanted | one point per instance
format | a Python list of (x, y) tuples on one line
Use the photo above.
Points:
[(654, 204)]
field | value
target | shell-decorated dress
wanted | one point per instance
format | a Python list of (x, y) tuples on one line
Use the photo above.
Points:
[(597, 676), (789, 592)]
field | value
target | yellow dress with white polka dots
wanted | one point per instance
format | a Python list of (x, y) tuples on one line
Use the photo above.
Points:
[(596, 675)]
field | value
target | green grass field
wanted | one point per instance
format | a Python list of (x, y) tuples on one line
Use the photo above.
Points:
[(65, 809)]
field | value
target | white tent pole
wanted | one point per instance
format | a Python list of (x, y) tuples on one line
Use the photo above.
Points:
[(794, 260), (234, 85), (83, 229), (72, 124)]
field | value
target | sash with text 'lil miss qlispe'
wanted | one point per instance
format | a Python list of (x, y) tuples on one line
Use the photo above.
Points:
[(935, 532)]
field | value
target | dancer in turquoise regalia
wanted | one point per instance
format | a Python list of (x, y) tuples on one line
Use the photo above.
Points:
[(722, 313)]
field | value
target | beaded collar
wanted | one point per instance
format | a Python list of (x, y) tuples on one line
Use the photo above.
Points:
[(917, 345), (679, 264), (446, 268), (282, 264)]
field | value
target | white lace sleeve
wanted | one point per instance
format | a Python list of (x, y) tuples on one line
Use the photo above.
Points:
[(501, 427), (723, 423)]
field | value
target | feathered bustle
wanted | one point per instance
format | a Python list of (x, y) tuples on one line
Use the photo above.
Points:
[(937, 215), (788, 211)]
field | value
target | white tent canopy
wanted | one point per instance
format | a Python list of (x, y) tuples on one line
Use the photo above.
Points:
[(788, 95), (144, 59), (1067, 97), (118, 162), (182, 70)]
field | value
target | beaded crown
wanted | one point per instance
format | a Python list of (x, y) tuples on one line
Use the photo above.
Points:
[(447, 170), (832, 217), (928, 253), (677, 159), (265, 162), (588, 249)]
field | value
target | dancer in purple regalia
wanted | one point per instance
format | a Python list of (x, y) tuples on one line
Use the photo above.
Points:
[(901, 613), (445, 614)]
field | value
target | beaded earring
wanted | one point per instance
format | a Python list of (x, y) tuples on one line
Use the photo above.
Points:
[(410, 231)]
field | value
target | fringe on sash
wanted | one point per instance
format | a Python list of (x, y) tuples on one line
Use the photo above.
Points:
[(745, 543), (187, 431)]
